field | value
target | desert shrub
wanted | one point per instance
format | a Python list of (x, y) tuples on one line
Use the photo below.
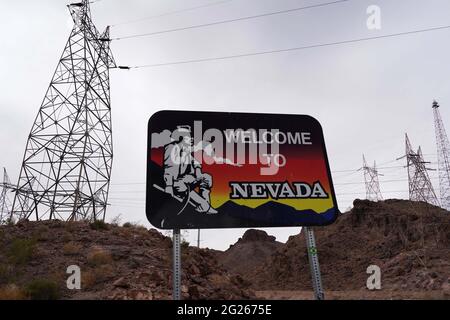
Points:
[(135, 226), (98, 257), (116, 220), (71, 249), (11, 292), (99, 225), (142, 229), (128, 225), (21, 250), (42, 289), (6, 274), (42, 233), (88, 279), (73, 226), (94, 276), (184, 244), (117, 231), (66, 237)]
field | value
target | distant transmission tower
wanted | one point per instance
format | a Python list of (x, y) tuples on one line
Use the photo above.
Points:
[(5, 203), (443, 150), (373, 192), (420, 187), (66, 168)]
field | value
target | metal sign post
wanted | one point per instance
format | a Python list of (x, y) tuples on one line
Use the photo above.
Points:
[(176, 265), (314, 264)]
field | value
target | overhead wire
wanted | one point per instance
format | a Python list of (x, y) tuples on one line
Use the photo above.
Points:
[(352, 171), (385, 181), (170, 13), (320, 45), (232, 20)]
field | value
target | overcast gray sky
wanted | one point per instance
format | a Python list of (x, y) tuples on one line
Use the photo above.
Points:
[(365, 94)]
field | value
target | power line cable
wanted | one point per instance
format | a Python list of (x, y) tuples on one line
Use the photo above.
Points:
[(362, 192), (231, 20), (353, 171), (170, 13), (356, 170), (381, 182), (293, 49)]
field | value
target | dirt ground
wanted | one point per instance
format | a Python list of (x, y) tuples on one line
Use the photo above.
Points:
[(354, 295)]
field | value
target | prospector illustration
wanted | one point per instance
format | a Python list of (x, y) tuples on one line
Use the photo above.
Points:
[(183, 176)]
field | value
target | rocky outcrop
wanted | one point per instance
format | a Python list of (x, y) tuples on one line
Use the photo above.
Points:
[(253, 235), (249, 252), (409, 241)]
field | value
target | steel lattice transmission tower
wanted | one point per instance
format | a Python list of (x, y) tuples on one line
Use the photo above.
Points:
[(5, 203), (66, 168), (373, 192), (443, 150), (420, 187)]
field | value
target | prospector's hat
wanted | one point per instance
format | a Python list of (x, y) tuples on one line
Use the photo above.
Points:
[(181, 131)]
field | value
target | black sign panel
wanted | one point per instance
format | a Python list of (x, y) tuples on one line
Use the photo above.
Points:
[(237, 170)]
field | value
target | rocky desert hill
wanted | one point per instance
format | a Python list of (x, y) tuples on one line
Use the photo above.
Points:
[(253, 249), (128, 262), (409, 241)]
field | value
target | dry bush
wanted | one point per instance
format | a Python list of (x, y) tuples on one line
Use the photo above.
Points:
[(11, 292), (66, 237), (72, 226), (21, 251), (132, 229), (126, 233), (58, 275), (99, 256), (134, 225), (116, 220), (88, 279), (43, 289), (101, 269), (6, 273), (71, 249), (99, 225), (117, 231), (94, 276), (42, 233)]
